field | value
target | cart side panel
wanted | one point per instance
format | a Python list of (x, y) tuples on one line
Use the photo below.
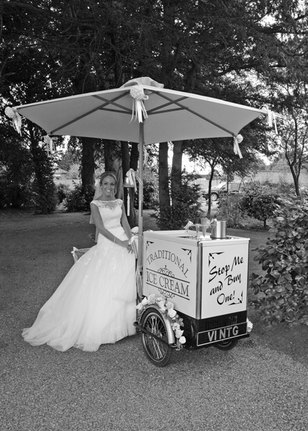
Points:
[(170, 269), (224, 277)]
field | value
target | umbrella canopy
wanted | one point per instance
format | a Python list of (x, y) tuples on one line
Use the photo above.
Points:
[(140, 111), (168, 115)]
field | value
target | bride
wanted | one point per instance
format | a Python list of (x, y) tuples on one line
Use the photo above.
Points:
[(95, 303)]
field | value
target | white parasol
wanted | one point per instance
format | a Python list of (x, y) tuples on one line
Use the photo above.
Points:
[(141, 111)]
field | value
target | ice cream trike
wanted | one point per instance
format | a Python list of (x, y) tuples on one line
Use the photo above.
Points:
[(194, 293), (195, 289)]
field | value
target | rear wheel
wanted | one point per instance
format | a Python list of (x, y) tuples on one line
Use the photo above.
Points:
[(155, 339), (226, 344)]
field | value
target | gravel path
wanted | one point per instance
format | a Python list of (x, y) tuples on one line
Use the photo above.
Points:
[(116, 388)]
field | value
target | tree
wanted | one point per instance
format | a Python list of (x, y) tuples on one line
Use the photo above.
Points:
[(21, 46), (259, 202), (285, 81), (293, 129), (294, 144), (16, 169), (208, 47), (176, 171), (218, 153)]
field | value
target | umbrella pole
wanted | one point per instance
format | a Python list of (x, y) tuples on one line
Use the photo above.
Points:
[(140, 212)]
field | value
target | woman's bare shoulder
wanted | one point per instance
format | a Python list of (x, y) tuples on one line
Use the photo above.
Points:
[(95, 202)]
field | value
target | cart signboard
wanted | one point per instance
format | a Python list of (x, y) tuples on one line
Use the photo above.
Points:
[(169, 269), (224, 277)]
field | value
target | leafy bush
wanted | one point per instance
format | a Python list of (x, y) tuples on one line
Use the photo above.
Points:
[(15, 194), (79, 199), (150, 190), (43, 187), (44, 197), (259, 201), (229, 209), (150, 193), (283, 188), (16, 171), (282, 293), (62, 191), (187, 207)]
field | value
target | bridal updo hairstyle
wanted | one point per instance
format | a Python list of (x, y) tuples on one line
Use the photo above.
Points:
[(108, 174)]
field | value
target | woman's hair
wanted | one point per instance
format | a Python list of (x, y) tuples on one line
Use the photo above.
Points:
[(108, 174)]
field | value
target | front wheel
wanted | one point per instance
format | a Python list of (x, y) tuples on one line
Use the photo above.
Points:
[(154, 338), (226, 344), (214, 197)]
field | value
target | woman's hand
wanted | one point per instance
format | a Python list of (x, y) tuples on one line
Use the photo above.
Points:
[(127, 245)]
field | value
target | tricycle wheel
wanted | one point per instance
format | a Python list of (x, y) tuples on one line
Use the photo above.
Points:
[(226, 344), (214, 196), (155, 346)]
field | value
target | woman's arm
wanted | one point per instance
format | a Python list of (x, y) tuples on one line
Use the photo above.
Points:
[(125, 223), (101, 228)]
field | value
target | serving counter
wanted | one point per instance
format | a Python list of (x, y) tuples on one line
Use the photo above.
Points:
[(203, 277)]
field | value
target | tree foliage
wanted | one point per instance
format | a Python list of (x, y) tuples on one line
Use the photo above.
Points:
[(16, 170), (52, 48), (259, 201), (187, 208), (292, 143)]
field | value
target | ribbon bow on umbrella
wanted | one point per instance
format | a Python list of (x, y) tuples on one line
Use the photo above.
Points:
[(137, 93), (271, 117), (236, 141), (15, 117), (130, 182), (138, 111)]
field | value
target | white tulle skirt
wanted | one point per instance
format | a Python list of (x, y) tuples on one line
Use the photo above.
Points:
[(95, 303)]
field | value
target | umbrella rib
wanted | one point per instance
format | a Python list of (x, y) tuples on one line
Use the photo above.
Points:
[(165, 111), (195, 113), (152, 111), (112, 102), (119, 111), (106, 102)]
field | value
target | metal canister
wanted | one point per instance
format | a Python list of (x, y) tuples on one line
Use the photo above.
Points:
[(219, 229)]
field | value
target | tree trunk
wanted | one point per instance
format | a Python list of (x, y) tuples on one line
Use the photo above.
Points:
[(176, 171), (295, 177), (134, 156), (164, 199), (43, 185), (87, 163), (108, 145), (125, 158)]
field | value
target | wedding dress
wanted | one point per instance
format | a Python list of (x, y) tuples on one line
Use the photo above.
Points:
[(96, 302)]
